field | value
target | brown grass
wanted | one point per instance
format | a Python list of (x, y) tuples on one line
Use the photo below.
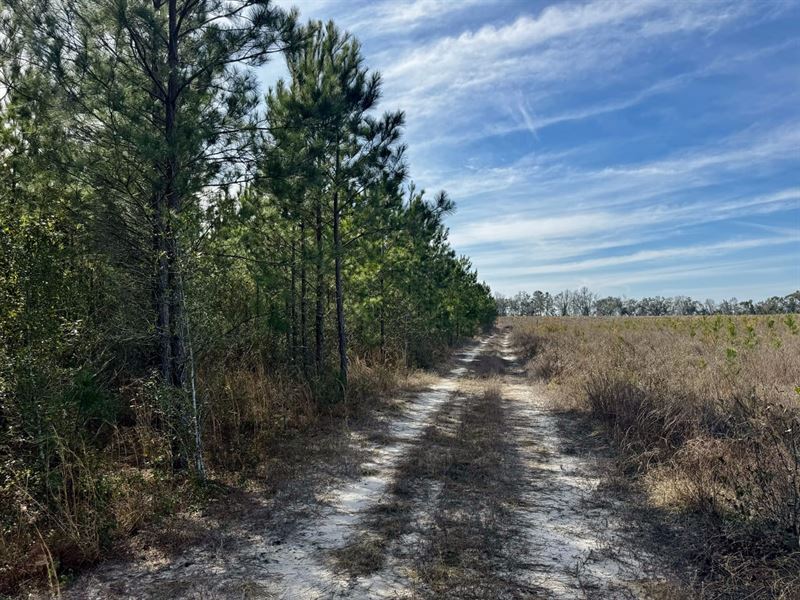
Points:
[(706, 414), (470, 550), (259, 428), (450, 508)]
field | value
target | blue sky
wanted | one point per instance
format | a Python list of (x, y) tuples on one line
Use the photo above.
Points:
[(636, 147)]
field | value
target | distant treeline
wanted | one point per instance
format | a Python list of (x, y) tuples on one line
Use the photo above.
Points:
[(584, 302)]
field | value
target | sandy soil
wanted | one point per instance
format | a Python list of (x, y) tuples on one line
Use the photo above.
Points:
[(473, 490)]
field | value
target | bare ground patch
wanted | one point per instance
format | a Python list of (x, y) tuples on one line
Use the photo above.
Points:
[(390, 527)]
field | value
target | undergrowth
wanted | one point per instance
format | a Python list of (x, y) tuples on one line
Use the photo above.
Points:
[(74, 484)]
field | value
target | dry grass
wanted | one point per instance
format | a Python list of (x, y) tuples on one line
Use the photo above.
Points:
[(90, 496), (488, 365), (449, 511), (706, 411), (260, 428), (469, 550), (253, 411)]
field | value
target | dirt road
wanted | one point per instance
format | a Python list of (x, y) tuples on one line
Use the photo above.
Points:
[(477, 489)]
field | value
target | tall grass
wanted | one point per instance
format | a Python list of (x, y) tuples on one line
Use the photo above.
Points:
[(706, 414), (252, 409), (80, 484)]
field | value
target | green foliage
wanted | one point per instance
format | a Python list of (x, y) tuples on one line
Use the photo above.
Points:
[(159, 221), (583, 302), (791, 323)]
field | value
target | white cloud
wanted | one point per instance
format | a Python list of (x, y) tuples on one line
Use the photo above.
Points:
[(645, 256), (533, 229), (563, 42), (378, 18), (549, 185), (456, 57)]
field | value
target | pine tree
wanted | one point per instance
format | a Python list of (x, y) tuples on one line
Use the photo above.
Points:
[(166, 115), (331, 96)]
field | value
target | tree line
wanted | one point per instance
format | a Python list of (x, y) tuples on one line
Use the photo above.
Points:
[(584, 302), (163, 219)]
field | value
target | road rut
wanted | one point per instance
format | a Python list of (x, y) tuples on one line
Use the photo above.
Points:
[(474, 491)]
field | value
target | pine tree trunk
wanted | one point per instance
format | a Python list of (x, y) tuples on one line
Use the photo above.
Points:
[(303, 298), (161, 275), (177, 332), (288, 340), (382, 316), (293, 302), (320, 299), (337, 251), (173, 204), (199, 463), (161, 288), (173, 201)]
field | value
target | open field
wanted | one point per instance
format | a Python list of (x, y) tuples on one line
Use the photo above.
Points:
[(705, 413)]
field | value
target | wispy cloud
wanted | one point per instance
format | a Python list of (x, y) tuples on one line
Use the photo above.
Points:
[(381, 18), (743, 277), (519, 227), (564, 41), (695, 252), (561, 187)]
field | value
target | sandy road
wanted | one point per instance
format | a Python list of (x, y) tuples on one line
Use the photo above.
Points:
[(576, 541), (468, 494)]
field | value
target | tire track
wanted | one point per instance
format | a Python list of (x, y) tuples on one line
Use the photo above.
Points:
[(577, 546), (298, 564), (484, 500)]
